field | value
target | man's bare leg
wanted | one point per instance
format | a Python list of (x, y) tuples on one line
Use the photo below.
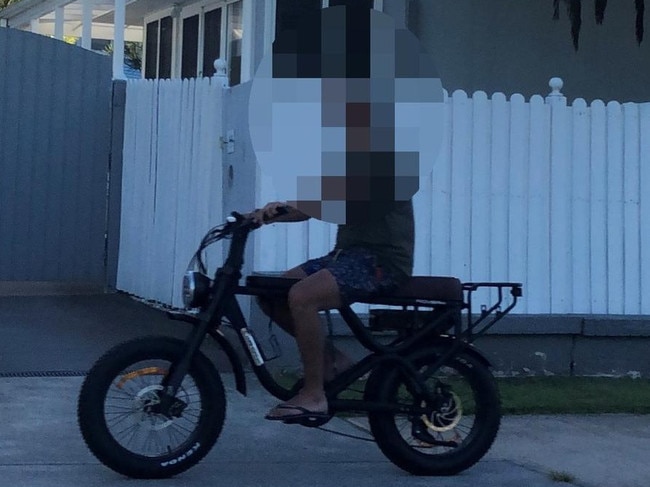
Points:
[(306, 298), (278, 309), (335, 361)]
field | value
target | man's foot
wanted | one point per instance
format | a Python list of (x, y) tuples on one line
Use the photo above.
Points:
[(303, 408), (292, 414)]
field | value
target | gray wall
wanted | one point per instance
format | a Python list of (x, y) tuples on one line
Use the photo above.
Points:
[(514, 46), (55, 102)]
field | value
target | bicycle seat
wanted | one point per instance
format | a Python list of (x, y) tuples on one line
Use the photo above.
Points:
[(270, 281), (428, 288)]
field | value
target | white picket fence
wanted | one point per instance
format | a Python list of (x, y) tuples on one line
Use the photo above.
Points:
[(538, 192), (171, 185), (554, 196)]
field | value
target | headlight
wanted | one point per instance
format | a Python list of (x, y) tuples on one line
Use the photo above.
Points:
[(196, 287)]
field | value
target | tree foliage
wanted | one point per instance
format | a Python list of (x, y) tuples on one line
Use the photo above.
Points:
[(6, 3), (132, 53), (574, 10)]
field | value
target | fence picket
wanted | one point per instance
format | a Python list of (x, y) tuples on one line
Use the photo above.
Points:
[(615, 212), (580, 203), (631, 196), (644, 207), (480, 200), (560, 210), (538, 275), (598, 213), (500, 189), (461, 185), (517, 244)]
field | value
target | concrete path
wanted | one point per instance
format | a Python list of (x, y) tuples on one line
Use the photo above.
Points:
[(40, 443), (40, 446)]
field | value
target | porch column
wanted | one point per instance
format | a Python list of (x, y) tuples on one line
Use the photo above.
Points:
[(247, 55), (118, 39), (87, 24), (269, 24), (59, 17)]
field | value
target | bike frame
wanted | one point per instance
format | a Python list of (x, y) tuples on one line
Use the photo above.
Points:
[(223, 304)]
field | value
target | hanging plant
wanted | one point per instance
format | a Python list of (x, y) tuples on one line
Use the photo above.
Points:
[(574, 10), (601, 5), (575, 16), (640, 11)]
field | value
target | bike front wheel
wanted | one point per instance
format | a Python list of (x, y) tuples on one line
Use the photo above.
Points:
[(442, 435), (120, 419)]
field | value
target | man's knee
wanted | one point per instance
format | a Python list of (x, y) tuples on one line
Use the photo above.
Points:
[(320, 291)]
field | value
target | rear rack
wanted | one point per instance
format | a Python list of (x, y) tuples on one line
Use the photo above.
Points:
[(488, 315)]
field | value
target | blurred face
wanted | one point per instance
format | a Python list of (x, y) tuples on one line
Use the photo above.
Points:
[(346, 115)]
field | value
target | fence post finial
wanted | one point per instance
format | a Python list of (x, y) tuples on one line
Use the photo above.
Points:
[(221, 72), (556, 85)]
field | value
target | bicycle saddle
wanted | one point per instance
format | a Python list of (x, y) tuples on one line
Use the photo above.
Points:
[(428, 288)]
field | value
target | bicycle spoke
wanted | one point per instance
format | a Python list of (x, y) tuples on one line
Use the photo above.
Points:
[(141, 430)]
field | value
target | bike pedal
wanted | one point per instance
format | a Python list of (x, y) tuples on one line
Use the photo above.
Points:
[(314, 422)]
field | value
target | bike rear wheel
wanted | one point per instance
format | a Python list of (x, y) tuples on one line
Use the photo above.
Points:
[(118, 417), (454, 432)]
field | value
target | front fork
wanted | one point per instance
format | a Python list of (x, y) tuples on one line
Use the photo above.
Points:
[(169, 405), (208, 319)]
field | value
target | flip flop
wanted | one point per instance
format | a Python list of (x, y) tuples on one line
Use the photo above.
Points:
[(305, 417)]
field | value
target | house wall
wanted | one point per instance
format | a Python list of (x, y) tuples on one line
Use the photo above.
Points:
[(514, 46)]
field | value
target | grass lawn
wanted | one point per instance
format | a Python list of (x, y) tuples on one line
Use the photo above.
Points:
[(574, 395), (558, 395)]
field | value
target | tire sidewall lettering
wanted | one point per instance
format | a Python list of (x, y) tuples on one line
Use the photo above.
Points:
[(181, 458)]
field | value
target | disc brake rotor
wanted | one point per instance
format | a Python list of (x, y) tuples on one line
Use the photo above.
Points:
[(146, 399), (446, 417)]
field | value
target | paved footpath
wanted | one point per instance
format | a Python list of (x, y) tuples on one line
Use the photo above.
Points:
[(40, 446)]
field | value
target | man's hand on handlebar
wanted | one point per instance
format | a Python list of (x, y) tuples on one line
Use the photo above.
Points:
[(277, 211)]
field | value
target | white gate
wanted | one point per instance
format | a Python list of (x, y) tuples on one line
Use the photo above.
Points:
[(172, 182)]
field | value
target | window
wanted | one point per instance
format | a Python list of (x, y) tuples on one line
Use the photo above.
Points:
[(158, 48), (165, 53), (197, 35), (201, 41), (189, 61), (211, 40), (151, 50)]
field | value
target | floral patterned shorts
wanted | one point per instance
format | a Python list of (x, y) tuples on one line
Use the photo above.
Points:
[(356, 272)]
